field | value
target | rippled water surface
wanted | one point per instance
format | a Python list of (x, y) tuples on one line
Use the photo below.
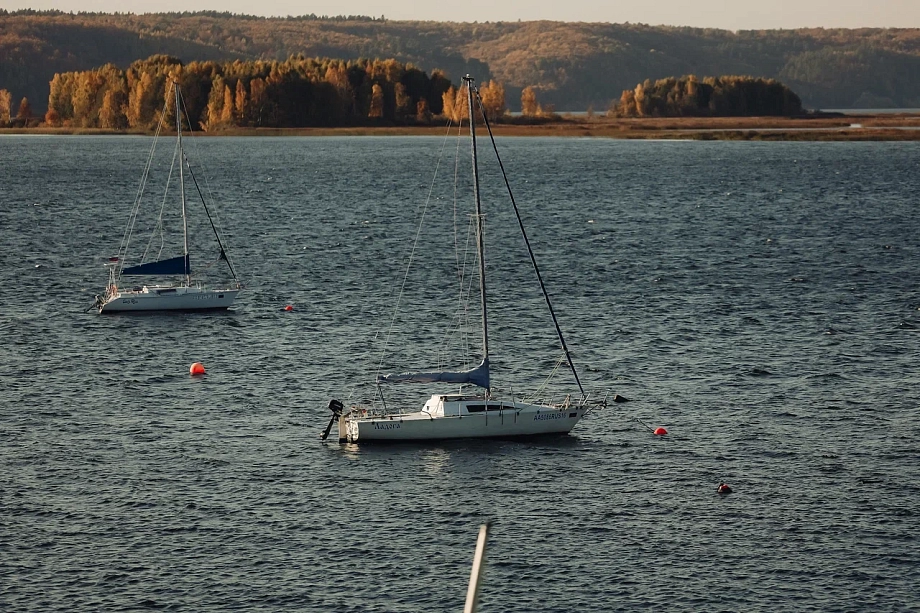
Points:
[(759, 300)]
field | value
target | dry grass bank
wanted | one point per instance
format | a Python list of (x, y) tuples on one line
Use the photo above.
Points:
[(878, 127)]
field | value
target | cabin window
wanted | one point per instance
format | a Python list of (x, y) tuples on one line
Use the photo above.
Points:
[(479, 408)]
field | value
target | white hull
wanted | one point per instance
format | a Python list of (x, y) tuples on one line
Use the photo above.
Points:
[(429, 425), (161, 298)]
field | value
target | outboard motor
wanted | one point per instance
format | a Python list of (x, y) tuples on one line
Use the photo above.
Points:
[(337, 408)]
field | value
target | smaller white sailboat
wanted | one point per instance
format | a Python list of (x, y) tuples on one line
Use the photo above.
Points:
[(472, 411), (176, 288)]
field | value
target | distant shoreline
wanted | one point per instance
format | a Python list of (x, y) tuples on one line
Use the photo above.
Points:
[(824, 127)]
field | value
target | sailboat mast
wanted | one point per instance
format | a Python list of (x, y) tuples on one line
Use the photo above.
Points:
[(188, 280), (479, 222)]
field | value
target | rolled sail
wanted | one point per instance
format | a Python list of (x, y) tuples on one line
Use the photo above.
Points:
[(477, 376), (172, 266)]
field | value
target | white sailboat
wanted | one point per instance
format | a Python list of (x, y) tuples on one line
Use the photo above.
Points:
[(176, 288), (471, 410)]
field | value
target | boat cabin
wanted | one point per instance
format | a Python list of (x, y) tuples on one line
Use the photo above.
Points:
[(458, 405)]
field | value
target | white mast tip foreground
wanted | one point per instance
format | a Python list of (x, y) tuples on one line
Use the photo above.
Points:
[(479, 560)]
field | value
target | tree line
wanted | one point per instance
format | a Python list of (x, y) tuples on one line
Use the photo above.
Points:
[(317, 92), (298, 92), (726, 96)]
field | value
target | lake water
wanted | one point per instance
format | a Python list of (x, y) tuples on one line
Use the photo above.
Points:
[(758, 300)]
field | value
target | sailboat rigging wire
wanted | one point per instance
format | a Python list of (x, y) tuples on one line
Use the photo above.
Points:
[(462, 315), (215, 223), (462, 319), (159, 225), (533, 259), (223, 252), (142, 185), (415, 243), (549, 378)]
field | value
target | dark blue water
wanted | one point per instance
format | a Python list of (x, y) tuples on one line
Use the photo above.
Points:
[(759, 300)]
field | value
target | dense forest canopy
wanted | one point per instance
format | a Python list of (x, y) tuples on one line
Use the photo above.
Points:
[(298, 92), (572, 66), (727, 96)]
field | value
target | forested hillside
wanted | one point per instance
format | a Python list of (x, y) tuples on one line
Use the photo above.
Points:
[(571, 66)]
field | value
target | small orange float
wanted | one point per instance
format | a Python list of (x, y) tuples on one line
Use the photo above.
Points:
[(196, 369)]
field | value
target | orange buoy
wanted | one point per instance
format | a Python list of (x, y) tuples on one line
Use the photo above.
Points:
[(196, 369), (724, 489), (659, 431), (289, 307)]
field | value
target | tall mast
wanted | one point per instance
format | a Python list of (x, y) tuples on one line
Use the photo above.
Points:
[(188, 280), (468, 80)]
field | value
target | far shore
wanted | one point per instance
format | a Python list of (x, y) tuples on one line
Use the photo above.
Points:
[(820, 127)]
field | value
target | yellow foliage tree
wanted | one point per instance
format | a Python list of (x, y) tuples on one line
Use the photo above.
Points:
[(455, 104), (53, 119), (25, 110), (6, 102), (141, 102), (111, 115), (241, 104), (227, 112), (256, 100), (376, 110), (529, 105), (492, 94), (215, 107), (403, 102)]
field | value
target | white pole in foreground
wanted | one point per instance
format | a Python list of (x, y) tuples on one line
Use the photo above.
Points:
[(479, 560)]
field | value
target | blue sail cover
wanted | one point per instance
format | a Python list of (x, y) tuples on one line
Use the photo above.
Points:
[(172, 266), (477, 376)]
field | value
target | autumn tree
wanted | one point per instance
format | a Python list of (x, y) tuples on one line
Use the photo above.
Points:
[(25, 111), (6, 102), (455, 104), (60, 98), (422, 112), (142, 101), (376, 108), (111, 115), (257, 99), (214, 110), (403, 102), (529, 105), (85, 108), (52, 119), (241, 104), (227, 112), (492, 94)]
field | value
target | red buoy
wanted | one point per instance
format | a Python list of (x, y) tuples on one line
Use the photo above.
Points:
[(724, 489), (196, 369), (289, 307), (659, 431)]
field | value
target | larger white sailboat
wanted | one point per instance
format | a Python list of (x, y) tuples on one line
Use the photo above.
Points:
[(471, 410), (175, 289)]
